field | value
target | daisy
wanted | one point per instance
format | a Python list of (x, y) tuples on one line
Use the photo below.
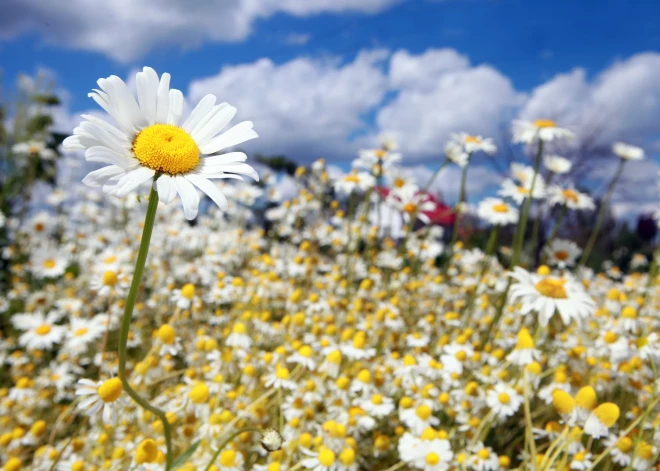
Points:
[(34, 148), (408, 200), (544, 129), (548, 294), (524, 353), (562, 253), (41, 333), (627, 152), (569, 197), (354, 181), (151, 144), (377, 405), (280, 379), (230, 460), (503, 400), (48, 263), (519, 192), (601, 419), (324, 460), (100, 396), (463, 145), (557, 164), (82, 332), (622, 448), (497, 212)]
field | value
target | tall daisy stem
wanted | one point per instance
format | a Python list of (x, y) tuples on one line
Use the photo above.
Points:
[(126, 324), (601, 214), (461, 200), (522, 224)]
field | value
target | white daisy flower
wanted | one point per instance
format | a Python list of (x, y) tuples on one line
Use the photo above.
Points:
[(557, 164), (544, 129), (497, 212), (548, 294), (570, 197), (627, 152), (34, 148), (152, 144), (41, 333), (562, 253), (100, 396), (503, 400), (601, 419)]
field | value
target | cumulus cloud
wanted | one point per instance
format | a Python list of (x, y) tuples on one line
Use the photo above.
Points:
[(620, 103), (127, 29), (305, 107), (438, 93)]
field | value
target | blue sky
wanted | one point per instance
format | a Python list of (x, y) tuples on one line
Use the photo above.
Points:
[(357, 68)]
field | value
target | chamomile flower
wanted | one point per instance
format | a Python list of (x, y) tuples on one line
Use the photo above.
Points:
[(557, 164), (503, 400), (627, 151), (547, 295), (40, 331), (354, 181), (562, 253), (153, 144), (34, 148), (569, 197), (49, 263), (544, 129), (601, 419), (497, 212), (462, 145), (100, 396)]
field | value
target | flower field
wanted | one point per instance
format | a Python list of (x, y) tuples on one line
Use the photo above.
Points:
[(342, 329)]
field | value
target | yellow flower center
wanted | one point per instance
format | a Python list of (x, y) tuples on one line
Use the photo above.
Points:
[(167, 149), (645, 451), (504, 398), (625, 444), (239, 328), (409, 208), (501, 208), (423, 412), (352, 177), (380, 153), (188, 291), (562, 401), (545, 123), (552, 288), (199, 394), (484, 454), (34, 149), (147, 452), (607, 413), (347, 456), (570, 195), (326, 457), (78, 466), (43, 329), (49, 263), (166, 334), (282, 373), (399, 182), (525, 340), (432, 459), (81, 331), (561, 255), (39, 227), (110, 278), (586, 398), (228, 458), (110, 390), (377, 399), (110, 259), (472, 140)]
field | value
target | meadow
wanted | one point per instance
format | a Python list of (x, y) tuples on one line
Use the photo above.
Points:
[(337, 330)]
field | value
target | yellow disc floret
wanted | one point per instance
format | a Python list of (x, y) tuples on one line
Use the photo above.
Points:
[(167, 149), (110, 390)]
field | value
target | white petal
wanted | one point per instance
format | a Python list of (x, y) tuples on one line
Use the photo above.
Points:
[(214, 125), (176, 107), (210, 189), (124, 108), (107, 156), (164, 98), (189, 196), (203, 107), (166, 189), (236, 167), (132, 180), (238, 134), (147, 90), (100, 177), (225, 158)]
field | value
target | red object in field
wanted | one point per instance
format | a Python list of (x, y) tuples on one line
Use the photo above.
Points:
[(443, 215)]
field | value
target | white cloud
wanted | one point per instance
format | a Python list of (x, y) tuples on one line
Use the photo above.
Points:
[(440, 93), (305, 107), (125, 29), (620, 103)]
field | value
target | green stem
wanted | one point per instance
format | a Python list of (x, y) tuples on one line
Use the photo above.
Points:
[(555, 229), (522, 224), (126, 323), (490, 248), (227, 441), (461, 200), (601, 214), (537, 220)]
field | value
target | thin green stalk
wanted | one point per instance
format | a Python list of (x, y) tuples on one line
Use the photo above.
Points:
[(555, 229), (601, 214), (126, 324), (537, 221), (653, 273), (227, 441), (522, 223), (461, 200)]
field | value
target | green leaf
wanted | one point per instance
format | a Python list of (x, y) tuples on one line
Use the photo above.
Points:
[(183, 457)]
